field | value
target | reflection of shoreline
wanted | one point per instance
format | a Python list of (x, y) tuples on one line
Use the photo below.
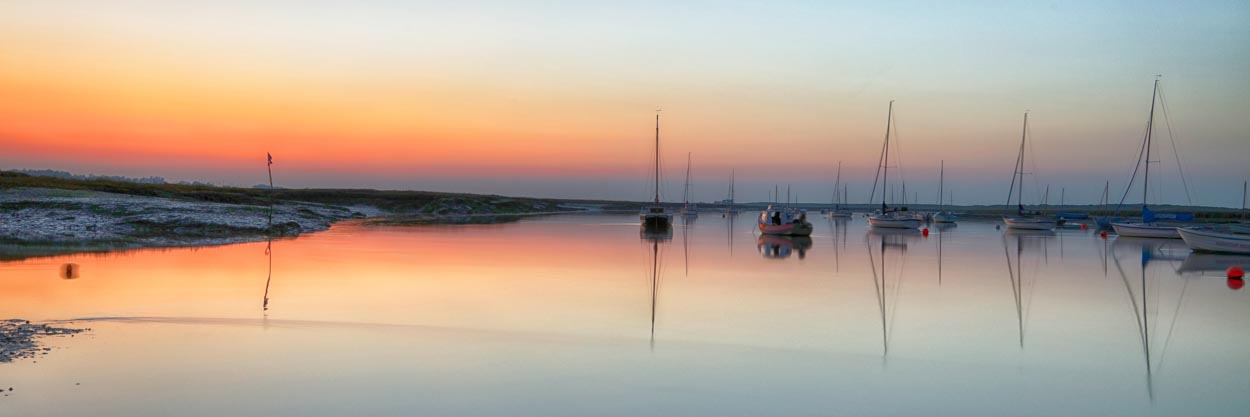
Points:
[(781, 247)]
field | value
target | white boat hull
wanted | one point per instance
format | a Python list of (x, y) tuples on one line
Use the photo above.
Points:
[(1145, 230), (1213, 241), (1029, 223), (894, 223)]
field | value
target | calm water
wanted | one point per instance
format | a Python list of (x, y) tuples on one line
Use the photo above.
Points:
[(583, 315)]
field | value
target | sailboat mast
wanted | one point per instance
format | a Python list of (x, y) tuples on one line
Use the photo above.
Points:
[(1023, 132), (685, 194), (1145, 188), (657, 159), (941, 184), (837, 184), (885, 179)]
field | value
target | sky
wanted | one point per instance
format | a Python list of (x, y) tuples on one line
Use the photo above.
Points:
[(558, 99)]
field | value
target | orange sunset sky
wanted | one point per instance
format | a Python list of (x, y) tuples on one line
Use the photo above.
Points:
[(558, 99)]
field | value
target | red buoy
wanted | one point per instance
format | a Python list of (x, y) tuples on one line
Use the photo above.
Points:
[(925, 232), (1083, 225), (1235, 283), (1235, 272), (1103, 234)]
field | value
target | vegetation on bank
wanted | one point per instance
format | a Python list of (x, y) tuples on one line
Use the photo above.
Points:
[(424, 202)]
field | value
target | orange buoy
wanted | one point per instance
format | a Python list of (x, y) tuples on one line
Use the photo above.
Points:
[(1235, 272), (1236, 283), (925, 232)]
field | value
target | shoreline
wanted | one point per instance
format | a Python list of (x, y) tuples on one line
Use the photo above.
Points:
[(45, 222)]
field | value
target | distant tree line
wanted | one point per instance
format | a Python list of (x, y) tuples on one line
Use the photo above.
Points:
[(70, 176)]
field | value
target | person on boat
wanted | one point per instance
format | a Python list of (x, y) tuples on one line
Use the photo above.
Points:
[(777, 217)]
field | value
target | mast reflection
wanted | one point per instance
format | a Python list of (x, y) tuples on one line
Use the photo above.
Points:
[(886, 293), (1157, 251), (653, 238)]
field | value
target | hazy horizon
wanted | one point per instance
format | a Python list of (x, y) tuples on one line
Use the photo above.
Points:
[(558, 100)]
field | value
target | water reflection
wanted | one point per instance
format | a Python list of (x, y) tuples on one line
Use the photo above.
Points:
[(69, 271), (1214, 264), (839, 227), (653, 240), (885, 291), (781, 247), (1161, 252), (269, 277), (1016, 275)]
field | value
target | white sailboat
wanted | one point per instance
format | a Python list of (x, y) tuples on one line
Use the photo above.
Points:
[(1148, 227), (656, 216), (688, 210), (943, 216), (1024, 220), (730, 210), (839, 197), (887, 217)]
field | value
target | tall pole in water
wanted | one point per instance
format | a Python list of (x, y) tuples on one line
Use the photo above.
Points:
[(657, 157), (1145, 187), (885, 179)]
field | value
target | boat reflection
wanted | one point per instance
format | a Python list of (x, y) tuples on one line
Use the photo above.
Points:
[(895, 237), (1157, 251), (1203, 263), (781, 247), (838, 225), (654, 240), (730, 217), (886, 292), (1015, 272), (656, 234)]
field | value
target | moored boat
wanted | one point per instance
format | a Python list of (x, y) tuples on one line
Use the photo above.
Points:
[(1030, 223), (785, 221), (1149, 230), (1227, 239), (891, 218), (1024, 220), (1149, 226), (656, 216), (895, 220), (942, 216)]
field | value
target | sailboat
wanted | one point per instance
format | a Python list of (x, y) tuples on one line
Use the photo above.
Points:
[(1024, 219), (688, 210), (729, 200), (1231, 238), (942, 216), (891, 218), (1148, 227), (839, 197), (656, 217)]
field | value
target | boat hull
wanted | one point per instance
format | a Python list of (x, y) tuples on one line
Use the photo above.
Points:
[(1145, 230), (656, 221), (944, 218), (1029, 223), (894, 223), (788, 229), (840, 214), (1213, 241)]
